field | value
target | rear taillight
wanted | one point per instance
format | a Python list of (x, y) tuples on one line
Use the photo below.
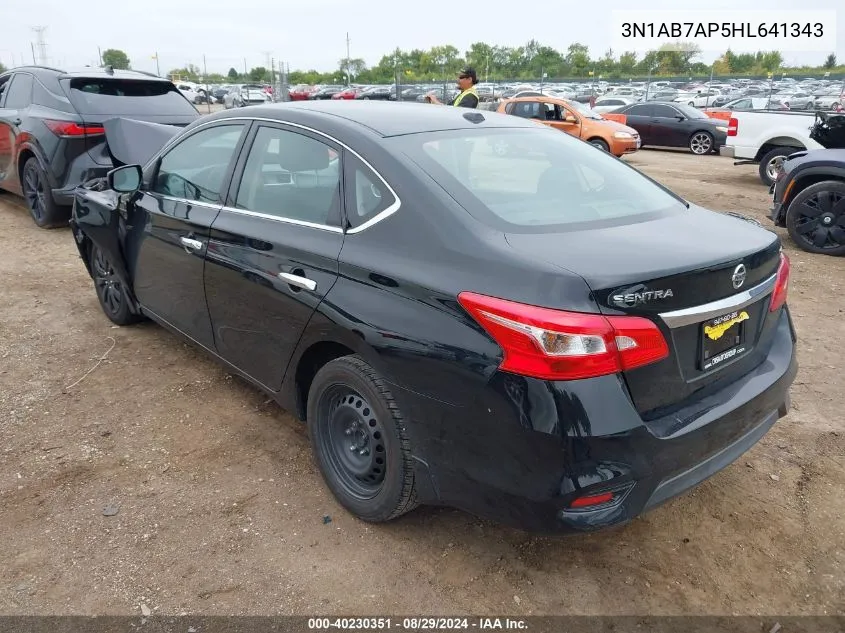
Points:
[(73, 129), (733, 126), (558, 345), (781, 284)]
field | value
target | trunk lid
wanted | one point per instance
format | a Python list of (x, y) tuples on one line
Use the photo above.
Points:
[(668, 270)]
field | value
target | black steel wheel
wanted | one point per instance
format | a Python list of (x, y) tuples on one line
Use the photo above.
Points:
[(110, 291), (359, 440), (36, 192), (815, 218)]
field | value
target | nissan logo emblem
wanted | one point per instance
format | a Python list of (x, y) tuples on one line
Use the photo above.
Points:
[(738, 278)]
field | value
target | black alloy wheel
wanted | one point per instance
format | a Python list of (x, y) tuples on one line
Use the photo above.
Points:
[(815, 218), (110, 290), (33, 190), (359, 440), (39, 200)]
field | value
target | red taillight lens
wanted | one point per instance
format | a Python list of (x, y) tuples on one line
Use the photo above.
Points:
[(733, 126), (592, 500), (557, 345), (781, 284), (73, 129)]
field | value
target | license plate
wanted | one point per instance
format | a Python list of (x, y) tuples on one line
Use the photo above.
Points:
[(722, 338)]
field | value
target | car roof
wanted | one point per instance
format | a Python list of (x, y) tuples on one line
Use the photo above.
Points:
[(383, 118)]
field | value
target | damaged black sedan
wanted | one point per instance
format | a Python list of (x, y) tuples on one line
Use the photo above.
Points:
[(550, 339)]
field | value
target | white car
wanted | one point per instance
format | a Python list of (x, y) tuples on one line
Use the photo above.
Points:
[(188, 90), (700, 99), (764, 137), (244, 95), (612, 102)]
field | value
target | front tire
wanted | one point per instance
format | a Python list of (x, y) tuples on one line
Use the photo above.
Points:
[(359, 440), (36, 191), (110, 290), (701, 143), (815, 218), (601, 144)]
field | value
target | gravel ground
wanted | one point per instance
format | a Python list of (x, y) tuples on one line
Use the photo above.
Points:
[(216, 507)]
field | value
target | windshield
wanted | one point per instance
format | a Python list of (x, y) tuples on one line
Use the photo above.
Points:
[(530, 180), (690, 112), (584, 110), (127, 96)]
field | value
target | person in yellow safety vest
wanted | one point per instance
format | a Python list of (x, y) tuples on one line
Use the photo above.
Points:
[(468, 98)]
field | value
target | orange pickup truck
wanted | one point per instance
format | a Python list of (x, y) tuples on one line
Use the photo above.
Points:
[(581, 122)]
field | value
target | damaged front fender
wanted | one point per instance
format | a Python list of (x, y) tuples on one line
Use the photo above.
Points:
[(97, 219)]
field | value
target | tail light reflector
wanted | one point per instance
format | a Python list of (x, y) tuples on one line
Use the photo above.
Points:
[(73, 129), (733, 126), (592, 500), (557, 345), (781, 284)]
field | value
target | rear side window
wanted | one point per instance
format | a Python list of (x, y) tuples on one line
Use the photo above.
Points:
[(20, 92), (366, 194), (4, 83), (127, 96)]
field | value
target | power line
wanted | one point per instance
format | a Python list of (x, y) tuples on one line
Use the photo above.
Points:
[(40, 44)]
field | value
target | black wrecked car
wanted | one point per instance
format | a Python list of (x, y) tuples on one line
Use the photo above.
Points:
[(51, 128), (550, 339), (809, 190)]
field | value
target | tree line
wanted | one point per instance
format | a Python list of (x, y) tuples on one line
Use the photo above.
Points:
[(531, 62)]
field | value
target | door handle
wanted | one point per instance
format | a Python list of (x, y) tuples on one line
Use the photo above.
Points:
[(300, 281), (188, 242)]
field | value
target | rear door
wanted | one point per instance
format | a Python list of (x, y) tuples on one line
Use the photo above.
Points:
[(273, 250), (15, 104), (166, 249)]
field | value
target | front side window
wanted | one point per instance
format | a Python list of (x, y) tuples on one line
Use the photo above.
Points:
[(195, 168), (547, 180), (291, 176), (664, 112)]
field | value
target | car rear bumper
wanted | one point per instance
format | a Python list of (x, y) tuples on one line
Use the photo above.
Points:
[(727, 150), (524, 450), (82, 169)]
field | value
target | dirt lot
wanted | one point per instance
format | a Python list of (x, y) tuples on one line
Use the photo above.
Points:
[(220, 509)]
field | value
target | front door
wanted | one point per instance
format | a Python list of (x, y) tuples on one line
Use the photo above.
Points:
[(564, 119), (173, 214), (273, 250)]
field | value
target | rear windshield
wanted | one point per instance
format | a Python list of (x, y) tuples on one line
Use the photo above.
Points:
[(531, 180), (127, 96)]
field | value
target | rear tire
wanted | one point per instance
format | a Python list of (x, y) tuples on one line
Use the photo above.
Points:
[(815, 218), (39, 199), (771, 162), (359, 440), (110, 290)]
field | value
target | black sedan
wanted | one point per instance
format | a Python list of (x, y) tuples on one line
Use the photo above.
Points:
[(549, 339), (809, 200), (675, 125)]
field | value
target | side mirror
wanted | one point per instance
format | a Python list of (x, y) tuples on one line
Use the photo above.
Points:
[(681, 117), (126, 179), (570, 119)]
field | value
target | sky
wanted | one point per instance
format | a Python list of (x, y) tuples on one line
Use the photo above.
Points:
[(312, 33)]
